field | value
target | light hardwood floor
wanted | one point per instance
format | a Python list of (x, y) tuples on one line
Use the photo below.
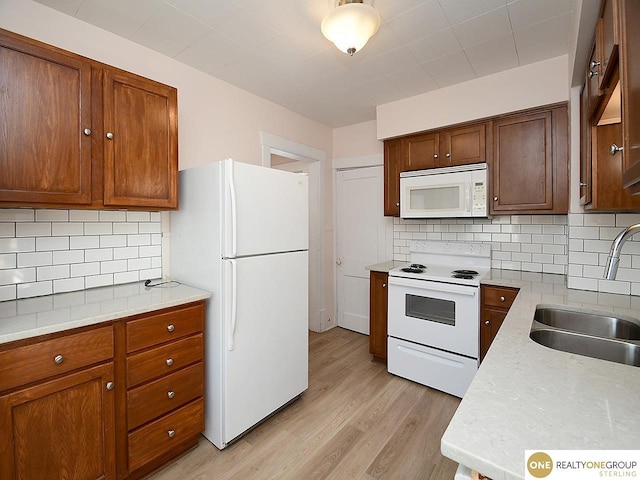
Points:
[(356, 421)]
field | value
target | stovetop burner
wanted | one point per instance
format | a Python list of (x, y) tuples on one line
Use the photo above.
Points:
[(417, 265), (463, 276), (465, 272), (411, 269)]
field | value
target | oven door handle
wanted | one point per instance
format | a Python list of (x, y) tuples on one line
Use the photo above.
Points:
[(434, 286)]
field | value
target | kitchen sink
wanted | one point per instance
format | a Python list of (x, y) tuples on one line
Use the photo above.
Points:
[(606, 336)]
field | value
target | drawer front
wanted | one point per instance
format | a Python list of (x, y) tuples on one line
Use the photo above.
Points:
[(165, 433), (164, 327), (30, 363), (501, 297), (169, 358), (167, 393)]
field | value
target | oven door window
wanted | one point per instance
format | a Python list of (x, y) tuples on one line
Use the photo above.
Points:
[(431, 309)]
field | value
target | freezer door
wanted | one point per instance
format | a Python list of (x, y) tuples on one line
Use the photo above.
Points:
[(265, 210), (266, 337)]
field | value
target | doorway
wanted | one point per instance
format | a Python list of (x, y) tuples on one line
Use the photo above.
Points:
[(284, 154)]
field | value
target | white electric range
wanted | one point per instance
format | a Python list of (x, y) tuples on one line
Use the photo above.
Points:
[(434, 314)]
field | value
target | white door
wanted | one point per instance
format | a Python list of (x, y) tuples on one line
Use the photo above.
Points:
[(364, 237), (266, 343), (266, 210)]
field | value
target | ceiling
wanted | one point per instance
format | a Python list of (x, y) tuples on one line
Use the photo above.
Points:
[(274, 48)]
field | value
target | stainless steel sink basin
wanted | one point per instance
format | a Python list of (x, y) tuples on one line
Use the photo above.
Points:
[(606, 336)]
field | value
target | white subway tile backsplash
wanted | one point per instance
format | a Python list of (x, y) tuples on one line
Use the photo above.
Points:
[(600, 220), (52, 215), (35, 259), (625, 219), (52, 251), (52, 243)]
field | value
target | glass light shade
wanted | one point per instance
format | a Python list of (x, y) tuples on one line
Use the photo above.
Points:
[(350, 26)]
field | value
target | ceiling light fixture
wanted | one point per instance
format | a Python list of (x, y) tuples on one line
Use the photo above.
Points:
[(350, 25)]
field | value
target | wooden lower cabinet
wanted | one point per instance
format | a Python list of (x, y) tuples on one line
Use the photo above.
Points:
[(62, 426), (378, 287), (495, 303), (114, 401)]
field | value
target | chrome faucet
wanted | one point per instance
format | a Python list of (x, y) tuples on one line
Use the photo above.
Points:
[(613, 259)]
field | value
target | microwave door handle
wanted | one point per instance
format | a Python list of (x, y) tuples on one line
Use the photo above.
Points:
[(468, 196)]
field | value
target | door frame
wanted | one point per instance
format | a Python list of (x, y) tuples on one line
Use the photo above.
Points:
[(273, 144)]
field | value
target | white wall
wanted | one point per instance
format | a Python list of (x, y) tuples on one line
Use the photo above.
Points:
[(523, 87), (356, 140)]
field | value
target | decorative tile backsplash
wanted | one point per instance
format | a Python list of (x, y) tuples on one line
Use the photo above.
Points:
[(52, 251), (575, 244)]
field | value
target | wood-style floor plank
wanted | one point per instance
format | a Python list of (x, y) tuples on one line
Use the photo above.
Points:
[(356, 421)]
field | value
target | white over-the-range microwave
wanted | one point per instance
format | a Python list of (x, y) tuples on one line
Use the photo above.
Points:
[(459, 191)]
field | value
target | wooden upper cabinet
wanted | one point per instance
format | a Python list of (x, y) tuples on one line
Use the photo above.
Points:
[(629, 19), (45, 104), (141, 144), (76, 133), (462, 146), (530, 163), (592, 91), (421, 151), (585, 147), (393, 165)]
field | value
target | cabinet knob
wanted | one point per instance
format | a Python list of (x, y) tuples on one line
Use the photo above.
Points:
[(594, 64), (448, 155), (583, 184), (502, 299), (87, 131), (613, 149), (487, 322), (110, 135), (58, 359), (435, 155), (384, 285), (110, 385), (170, 327), (398, 204), (592, 74), (171, 433), (495, 199), (169, 362), (171, 394)]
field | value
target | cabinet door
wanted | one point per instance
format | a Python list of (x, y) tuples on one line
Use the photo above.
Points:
[(630, 92), (462, 146), (608, 30), (592, 83), (378, 282), (141, 144), (45, 104), (490, 322), (393, 165), (422, 151), (62, 429), (523, 163)]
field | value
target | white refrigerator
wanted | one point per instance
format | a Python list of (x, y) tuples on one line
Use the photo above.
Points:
[(242, 234)]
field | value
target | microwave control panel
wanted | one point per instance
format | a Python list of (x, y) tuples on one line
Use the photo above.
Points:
[(479, 198)]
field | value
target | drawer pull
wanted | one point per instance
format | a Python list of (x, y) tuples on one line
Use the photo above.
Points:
[(171, 327), (171, 433), (110, 385), (171, 394), (502, 299), (487, 322), (58, 359), (169, 362)]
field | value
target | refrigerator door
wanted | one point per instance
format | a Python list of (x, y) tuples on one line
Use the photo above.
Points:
[(265, 359), (265, 210)]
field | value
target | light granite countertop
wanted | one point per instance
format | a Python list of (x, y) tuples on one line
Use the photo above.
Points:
[(529, 397), (30, 317), (384, 267)]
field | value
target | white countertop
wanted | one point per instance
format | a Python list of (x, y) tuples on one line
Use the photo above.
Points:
[(527, 397), (30, 317), (384, 267)]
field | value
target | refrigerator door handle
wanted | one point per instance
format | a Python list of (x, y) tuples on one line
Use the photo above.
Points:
[(232, 194), (234, 305)]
